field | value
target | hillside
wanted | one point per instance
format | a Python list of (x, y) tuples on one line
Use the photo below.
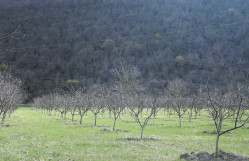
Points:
[(84, 39)]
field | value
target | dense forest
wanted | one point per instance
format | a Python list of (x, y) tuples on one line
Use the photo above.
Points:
[(80, 41)]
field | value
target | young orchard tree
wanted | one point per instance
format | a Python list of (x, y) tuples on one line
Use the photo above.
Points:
[(97, 100), (50, 103), (38, 103), (155, 93), (60, 104), (126, 80), (199, 101), (116, 104), (138, 103), (222, 105), (66, 104), (194, 104), (10, 95), (81, 103), (57, 103), (166, 104), (73, 106), (177, 93)]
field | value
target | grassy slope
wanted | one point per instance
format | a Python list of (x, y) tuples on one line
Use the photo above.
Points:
[(38, 136)]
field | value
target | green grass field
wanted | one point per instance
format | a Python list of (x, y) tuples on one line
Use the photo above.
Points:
[(36, 136)]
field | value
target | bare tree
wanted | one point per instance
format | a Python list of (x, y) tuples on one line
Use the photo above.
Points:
[(97, 99), (10, 94), (125, 81), (73, 106), (222, 105), (137, 103), (81, 103), (116, 104), (177, 93)]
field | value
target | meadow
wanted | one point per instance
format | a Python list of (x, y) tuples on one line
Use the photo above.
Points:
[(32, 135)]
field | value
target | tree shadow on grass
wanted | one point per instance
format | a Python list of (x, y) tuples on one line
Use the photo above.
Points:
[(108, 131), (137, 139), (94, 126), (213, 132), (169, 120), (154, 124), (7, 125), (128, 121)]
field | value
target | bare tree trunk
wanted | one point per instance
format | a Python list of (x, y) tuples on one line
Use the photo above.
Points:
[(62, 115), (142, 131), (154, 117), (180, 121), (141, 114), (72, 117), (217, 146), (4, 116), (110, 114), (113, 129), (95, 122), (81, 116)]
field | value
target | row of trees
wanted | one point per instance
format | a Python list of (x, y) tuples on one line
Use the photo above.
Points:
[(126, 93), (11, 95)]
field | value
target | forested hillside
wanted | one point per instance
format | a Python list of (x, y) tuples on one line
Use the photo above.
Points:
[(83, 40)]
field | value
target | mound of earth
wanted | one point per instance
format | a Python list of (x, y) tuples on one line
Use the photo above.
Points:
[(205, 156)]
